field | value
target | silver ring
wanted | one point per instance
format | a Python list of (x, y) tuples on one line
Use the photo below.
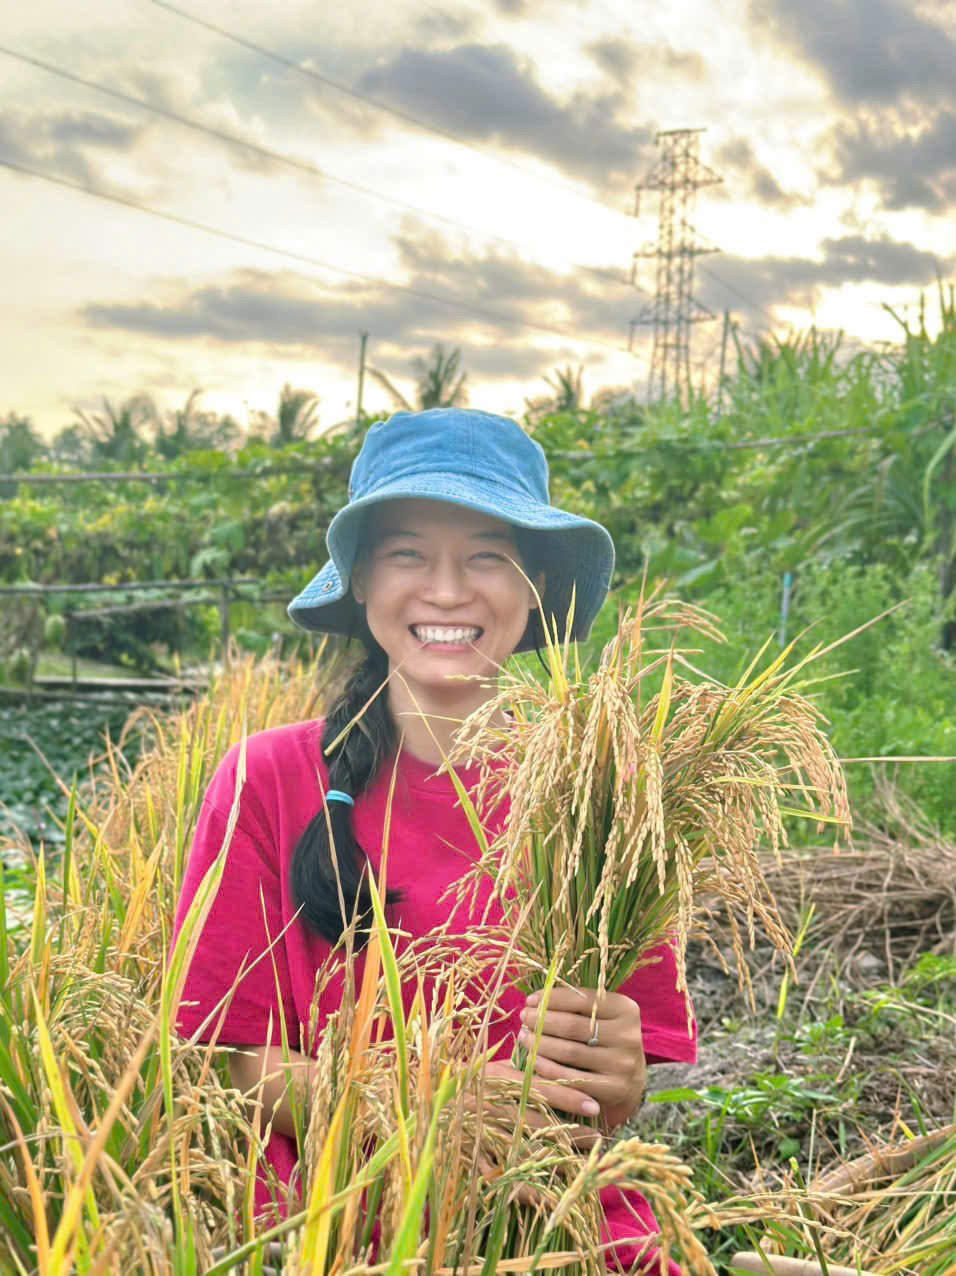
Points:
[(592, 1041)]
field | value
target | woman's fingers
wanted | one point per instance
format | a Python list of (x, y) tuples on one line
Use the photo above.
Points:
[(563, 1098)]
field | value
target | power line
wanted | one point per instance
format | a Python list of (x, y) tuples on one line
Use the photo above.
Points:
[(302, 258), (753, 305), (290, 161), (405, 116)]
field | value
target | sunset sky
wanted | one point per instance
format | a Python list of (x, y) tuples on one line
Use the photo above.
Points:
[(500, 178)]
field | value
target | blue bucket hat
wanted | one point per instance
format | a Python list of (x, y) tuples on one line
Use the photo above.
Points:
[(484, 462)]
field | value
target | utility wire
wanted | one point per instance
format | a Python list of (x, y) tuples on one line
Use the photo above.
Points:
[(292, 65), (234, 139), (753, 305), (405, 116), (303, 258)]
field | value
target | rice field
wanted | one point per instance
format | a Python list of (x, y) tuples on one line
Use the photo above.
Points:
[(127, 1149)]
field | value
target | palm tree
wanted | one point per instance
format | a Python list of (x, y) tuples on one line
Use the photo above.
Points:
[(568, 389), (567, 394), (20, 445), (296, 418), (116, 434), (436, 386), (193, 431), (71, 446)]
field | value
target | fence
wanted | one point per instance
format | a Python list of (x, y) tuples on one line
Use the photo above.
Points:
[(220, 591)]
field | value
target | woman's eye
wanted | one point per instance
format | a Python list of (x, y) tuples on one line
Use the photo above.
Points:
[(498, 558)]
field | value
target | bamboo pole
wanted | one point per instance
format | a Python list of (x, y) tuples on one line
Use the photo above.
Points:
[(881, 1163), (749, 1261)]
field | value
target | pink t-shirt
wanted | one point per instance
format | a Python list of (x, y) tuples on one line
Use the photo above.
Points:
[(430, 846)]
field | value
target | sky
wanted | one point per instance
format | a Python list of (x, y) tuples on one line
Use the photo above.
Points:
[(462, 173)]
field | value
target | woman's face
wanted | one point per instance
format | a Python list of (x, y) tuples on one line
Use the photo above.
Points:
[(433, 571)]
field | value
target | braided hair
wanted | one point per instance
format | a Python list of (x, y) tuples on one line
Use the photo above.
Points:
[(353, 767)]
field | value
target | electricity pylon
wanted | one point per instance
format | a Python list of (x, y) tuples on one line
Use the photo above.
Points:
[(678, 175)]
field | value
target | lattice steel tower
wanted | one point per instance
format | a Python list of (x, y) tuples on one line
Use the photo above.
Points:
[(678, 175)]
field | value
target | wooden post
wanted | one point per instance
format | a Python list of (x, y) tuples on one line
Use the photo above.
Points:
[(361, 381), (723, 363), (224, 622), (947, 550)]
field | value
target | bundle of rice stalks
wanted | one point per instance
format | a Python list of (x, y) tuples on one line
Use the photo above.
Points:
[(625, 804)]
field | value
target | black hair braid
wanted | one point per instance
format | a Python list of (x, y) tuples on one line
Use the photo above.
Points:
[(352, 767)]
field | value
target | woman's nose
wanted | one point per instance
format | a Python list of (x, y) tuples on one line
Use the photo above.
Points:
[(446, 581)]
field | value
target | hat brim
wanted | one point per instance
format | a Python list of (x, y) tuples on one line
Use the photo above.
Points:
[(575, 553)]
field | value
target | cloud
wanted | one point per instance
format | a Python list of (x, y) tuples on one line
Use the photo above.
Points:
[(61, 142), (440, 24), (912, 172), (281, 311), (769, 281), (483, 93), (621, 58), (738, 156), (870, 51), (284, 313), (89, 129)]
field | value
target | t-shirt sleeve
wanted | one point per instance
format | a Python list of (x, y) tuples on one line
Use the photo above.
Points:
[(237, 927), (664, 1010)]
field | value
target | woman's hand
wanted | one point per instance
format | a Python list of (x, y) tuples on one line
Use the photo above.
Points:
[(613, 1072)]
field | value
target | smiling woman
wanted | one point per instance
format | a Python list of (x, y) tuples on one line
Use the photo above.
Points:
[(447, 609), (435, 563)]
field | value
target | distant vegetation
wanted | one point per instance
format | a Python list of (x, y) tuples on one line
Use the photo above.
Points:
[(833, 473)]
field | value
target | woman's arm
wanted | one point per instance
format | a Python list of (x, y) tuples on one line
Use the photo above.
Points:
[(246, 1068)]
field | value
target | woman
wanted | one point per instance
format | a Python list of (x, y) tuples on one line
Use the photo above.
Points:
[(439, 501)]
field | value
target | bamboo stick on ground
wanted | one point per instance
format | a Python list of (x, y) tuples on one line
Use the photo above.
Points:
[(749, 1261), (880, 1163)]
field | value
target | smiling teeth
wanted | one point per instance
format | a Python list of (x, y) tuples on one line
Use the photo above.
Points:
[(434, 633)]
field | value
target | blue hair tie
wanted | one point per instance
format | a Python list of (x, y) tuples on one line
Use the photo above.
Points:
[(336, 795)]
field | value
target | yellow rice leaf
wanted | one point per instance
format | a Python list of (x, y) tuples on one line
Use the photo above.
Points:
[(70, 1137), (664, 701), (393, 988), (141, 894), (39, 950), (362, 1022), (811, 815), (316, 1239), (569, 625), (425, 1071), (72, 1206), (37, 1203), (742, 680), (402, 1131)]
